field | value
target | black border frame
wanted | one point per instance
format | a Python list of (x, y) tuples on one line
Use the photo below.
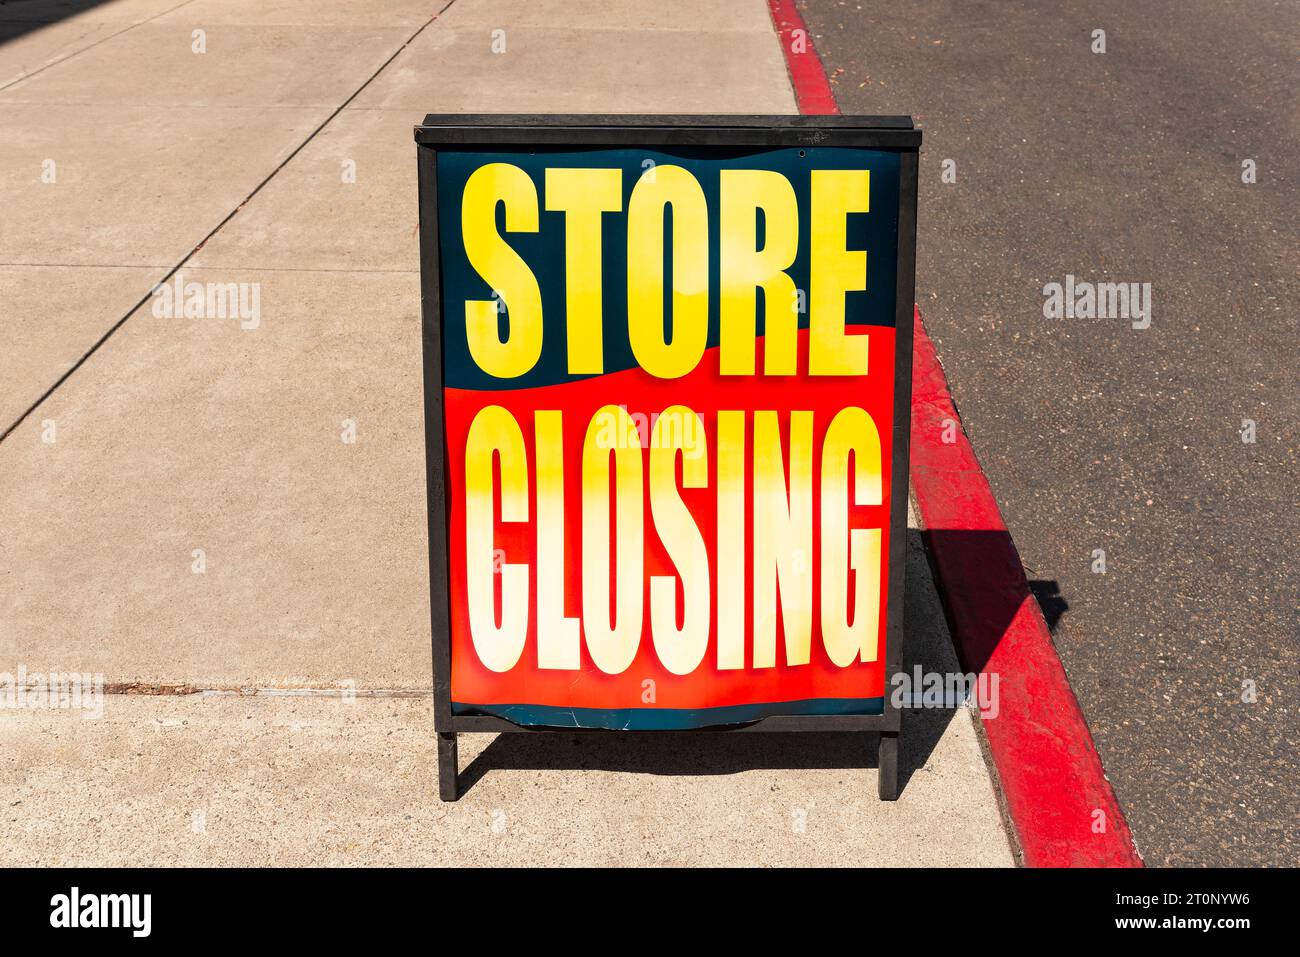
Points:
[(888, 133)]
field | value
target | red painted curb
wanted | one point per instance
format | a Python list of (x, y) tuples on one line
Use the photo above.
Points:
[(1055, 788), (812, 91)]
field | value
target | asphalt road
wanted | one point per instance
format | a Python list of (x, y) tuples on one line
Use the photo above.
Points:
[(1126, 166)]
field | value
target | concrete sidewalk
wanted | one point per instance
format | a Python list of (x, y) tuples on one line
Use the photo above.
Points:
[(316, 781), (181, 443)]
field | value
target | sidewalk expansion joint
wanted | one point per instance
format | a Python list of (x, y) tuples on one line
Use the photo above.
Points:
[(181, 690)]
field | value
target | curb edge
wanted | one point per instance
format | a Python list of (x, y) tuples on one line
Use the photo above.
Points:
[(1051, 777)]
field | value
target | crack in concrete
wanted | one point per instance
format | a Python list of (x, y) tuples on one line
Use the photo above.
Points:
[(216, 229)]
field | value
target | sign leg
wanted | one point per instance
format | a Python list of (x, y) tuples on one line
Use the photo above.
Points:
[(887, 765), (447, 766)]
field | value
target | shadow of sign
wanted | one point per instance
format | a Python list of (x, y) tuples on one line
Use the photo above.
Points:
[(992, 610), (704, 753), (18, 18)]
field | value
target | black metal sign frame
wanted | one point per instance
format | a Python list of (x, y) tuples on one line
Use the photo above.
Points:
[(886, 133)]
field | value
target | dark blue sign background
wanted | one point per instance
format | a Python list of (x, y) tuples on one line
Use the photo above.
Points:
[(543, 251)]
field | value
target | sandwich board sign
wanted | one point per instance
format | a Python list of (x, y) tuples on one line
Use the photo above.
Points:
[(667, 379)]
